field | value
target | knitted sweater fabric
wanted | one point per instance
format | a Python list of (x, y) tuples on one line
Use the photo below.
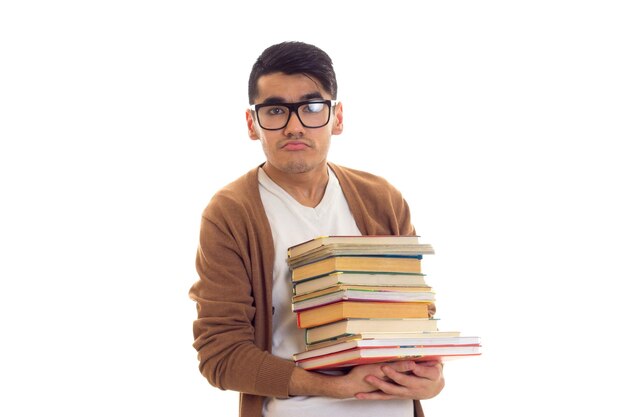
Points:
[(233, 295)]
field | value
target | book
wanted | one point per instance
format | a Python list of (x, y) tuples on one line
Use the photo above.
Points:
[(364, 299), (341, 293), (382, 335), (373, 264), (361, 310), (374, 288), (357, 278), (365, 355), (332, 246), (360, 326), (378, 242), (391, 342)]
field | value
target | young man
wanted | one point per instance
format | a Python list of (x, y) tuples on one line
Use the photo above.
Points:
[(246, 332)]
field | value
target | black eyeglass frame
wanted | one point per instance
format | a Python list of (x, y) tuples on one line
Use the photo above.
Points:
[(293, 108)]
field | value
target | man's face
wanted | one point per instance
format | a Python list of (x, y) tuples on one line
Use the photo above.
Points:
[(294, 149)]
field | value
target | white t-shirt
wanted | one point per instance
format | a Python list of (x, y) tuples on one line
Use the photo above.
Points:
[(293, 223)]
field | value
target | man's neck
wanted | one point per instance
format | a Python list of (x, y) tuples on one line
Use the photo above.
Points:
[(307, 188)]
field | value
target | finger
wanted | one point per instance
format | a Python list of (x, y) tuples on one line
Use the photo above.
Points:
[(402, 366), (401, 378), (431, 363), (390, 388), (375, 395), (409, 365), (413, 386), (428, 371)]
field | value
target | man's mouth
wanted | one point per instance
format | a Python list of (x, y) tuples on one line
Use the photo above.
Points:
[(295, 146)]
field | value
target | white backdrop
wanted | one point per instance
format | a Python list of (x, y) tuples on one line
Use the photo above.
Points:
[(501, 122)]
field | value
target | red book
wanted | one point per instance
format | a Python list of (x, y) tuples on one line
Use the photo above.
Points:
[(367, 351)]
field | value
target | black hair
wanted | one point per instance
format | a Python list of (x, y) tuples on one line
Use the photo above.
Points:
[(294, 58)]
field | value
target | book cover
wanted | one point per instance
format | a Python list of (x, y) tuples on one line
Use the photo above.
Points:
[(348, 327), (360, 309), (371, 264), (364, 355), (381, 241), (357, 278), (333, 249), (383, 335), (388, 343), (358, 294), (349, 287)]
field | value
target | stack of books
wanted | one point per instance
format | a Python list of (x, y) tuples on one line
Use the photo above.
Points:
[(364, 299)]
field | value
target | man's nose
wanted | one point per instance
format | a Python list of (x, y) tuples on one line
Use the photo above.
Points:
[(293, 124)]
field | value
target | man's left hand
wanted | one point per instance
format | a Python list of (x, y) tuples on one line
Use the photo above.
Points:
[(406, 379)]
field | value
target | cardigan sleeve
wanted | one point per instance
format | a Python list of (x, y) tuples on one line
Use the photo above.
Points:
[(229, 352)]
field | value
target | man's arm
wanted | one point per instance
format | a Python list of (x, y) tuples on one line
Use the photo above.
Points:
[(402, 379), (230, 318), (312, 383)]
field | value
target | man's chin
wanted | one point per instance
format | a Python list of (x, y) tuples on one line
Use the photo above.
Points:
[(298, 168)]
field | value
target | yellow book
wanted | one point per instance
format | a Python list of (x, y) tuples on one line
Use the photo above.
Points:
[(362, 279), (361, 310), (372, 264)]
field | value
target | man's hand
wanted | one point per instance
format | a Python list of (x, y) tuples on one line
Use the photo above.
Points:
[(404, 379), (354, 382)]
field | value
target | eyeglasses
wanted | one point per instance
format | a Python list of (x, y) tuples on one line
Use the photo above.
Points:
[(312, 114)]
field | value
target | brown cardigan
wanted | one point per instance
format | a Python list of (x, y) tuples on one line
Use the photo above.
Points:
[(233, 332)]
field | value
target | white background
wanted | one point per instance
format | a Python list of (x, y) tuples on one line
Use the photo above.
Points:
[(501, 122)]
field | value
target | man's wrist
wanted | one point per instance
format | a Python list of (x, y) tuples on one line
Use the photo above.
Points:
[(315, 384)]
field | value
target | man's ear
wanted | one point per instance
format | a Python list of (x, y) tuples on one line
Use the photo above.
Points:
[(338, 119), (251, 128)]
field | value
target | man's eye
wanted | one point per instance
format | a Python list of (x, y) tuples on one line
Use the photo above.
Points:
[(275, 111), (313, 107)]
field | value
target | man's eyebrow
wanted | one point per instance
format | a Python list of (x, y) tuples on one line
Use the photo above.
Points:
[(311, 96), (279, 100), (273, 100)]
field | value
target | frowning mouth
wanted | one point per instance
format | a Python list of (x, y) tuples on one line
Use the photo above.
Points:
[(295, 145)]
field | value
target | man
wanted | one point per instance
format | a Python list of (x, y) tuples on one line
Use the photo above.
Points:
[(246, 332)]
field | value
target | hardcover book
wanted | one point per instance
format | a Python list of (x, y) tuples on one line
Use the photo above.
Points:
[(364, 299), (328, 246), (342, 293), (357, 278), (360, 310), (377, 243), (365, 355), (405, 342), (371, 264), (382, 335), (347, 327)]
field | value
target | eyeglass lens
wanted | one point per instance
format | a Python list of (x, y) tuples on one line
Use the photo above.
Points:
[(311, 115)]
